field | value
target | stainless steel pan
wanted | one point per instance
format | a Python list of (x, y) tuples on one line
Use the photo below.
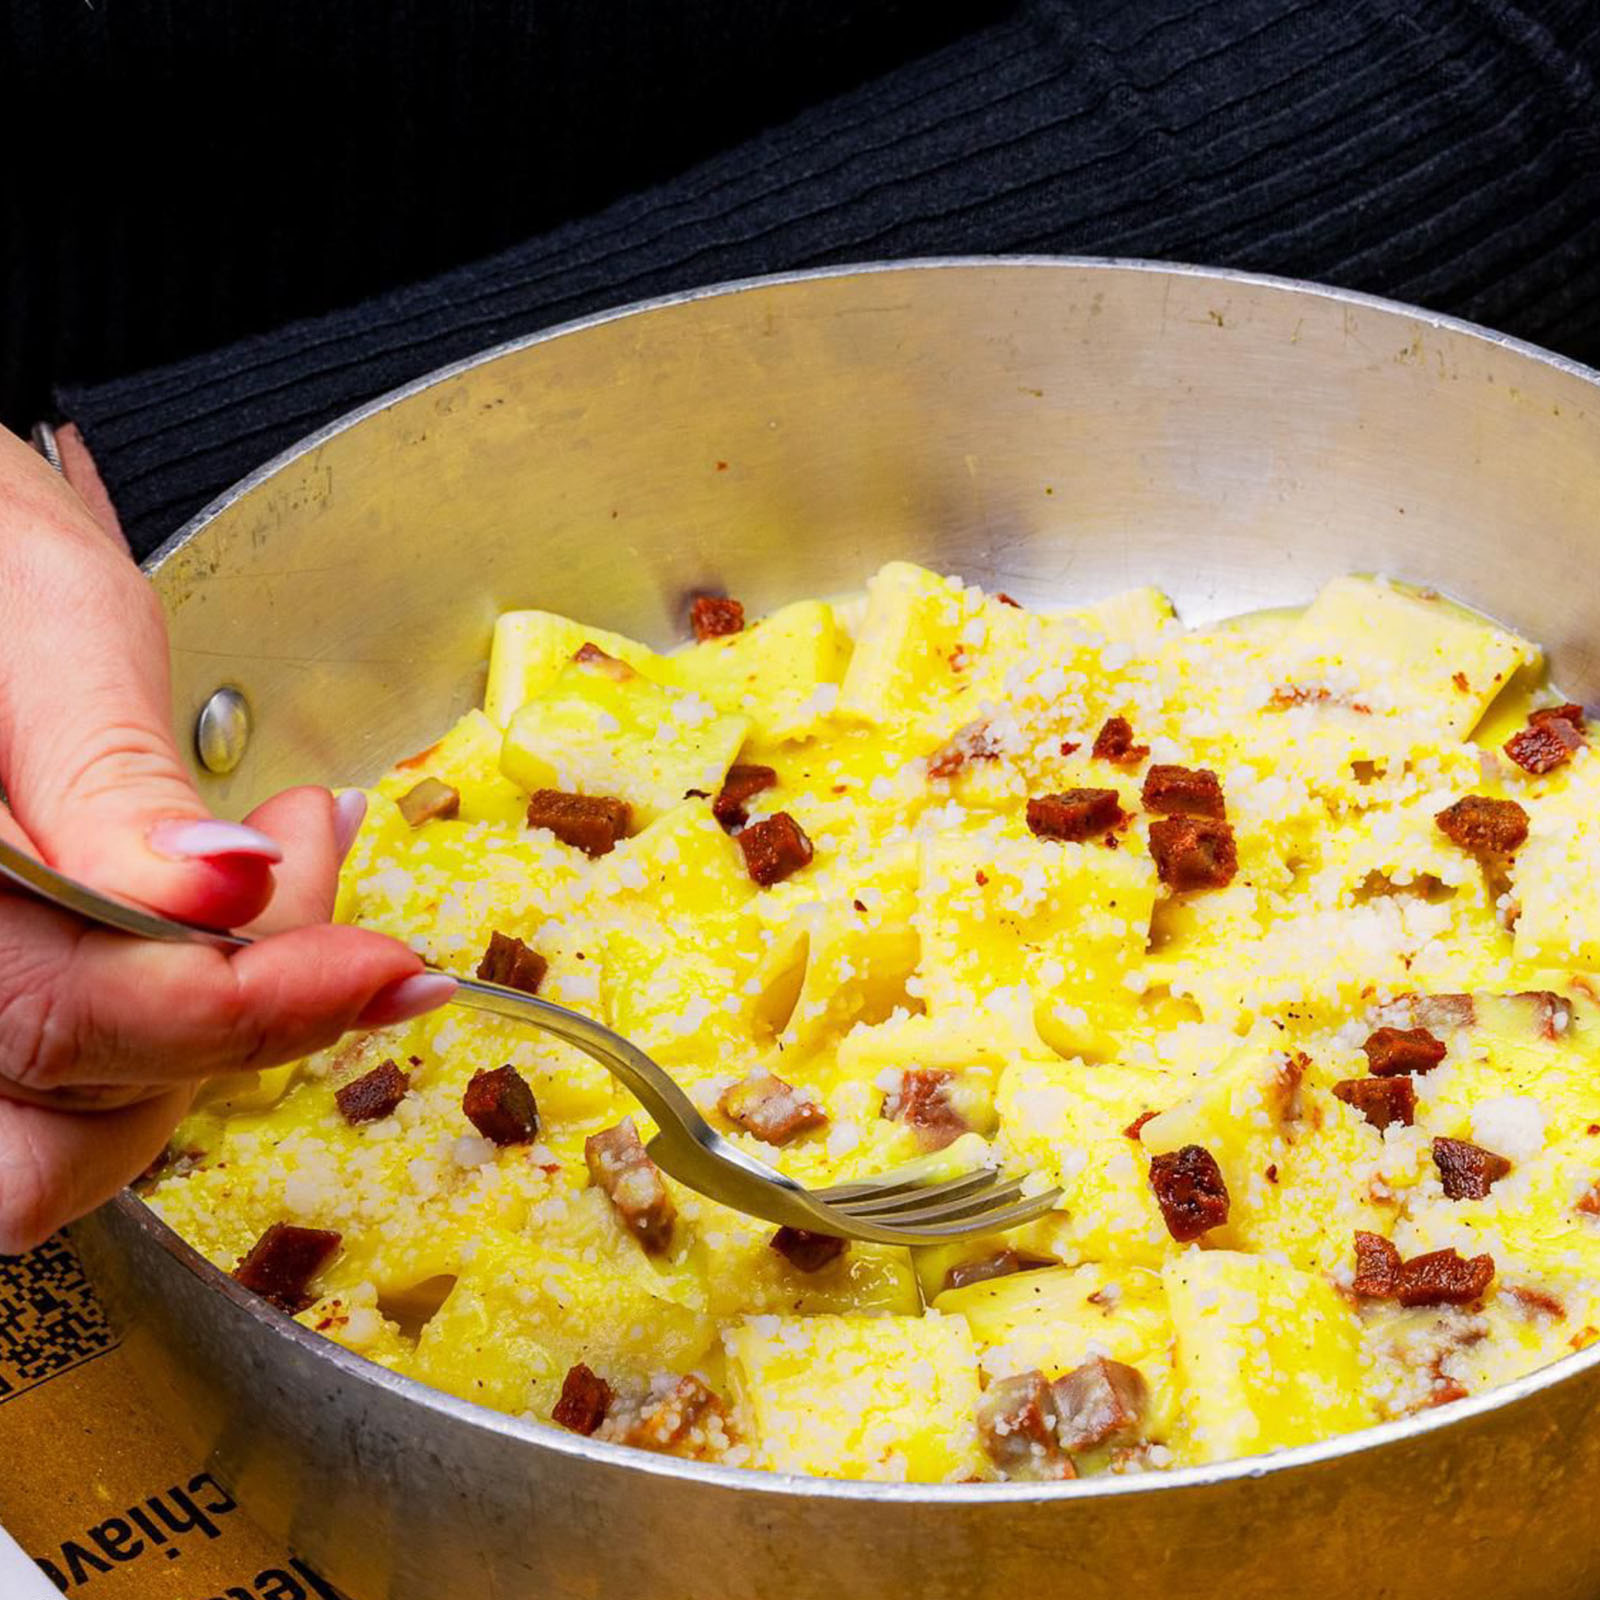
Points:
[(1053, 428)]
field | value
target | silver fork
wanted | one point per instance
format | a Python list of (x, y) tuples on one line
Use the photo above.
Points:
[(900, 1207)]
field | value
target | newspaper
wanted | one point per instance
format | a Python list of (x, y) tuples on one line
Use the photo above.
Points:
[(98, 1491)]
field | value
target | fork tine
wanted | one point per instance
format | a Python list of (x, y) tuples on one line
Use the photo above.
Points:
[(878, 1202), (901, 1181), (966, 1205), (983, 1221)]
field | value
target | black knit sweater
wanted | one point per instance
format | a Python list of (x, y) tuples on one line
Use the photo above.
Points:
[(1443, 151)]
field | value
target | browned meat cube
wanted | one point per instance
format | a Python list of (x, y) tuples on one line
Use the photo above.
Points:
[(590, 655), (1189, 1189), (1478, 823), (713, 617), (500, 1105), (1074, 815), (1193, 852), (374, 1095), (1377, 1267), (1393, 1051), (590, 823), (1440, 1010), (429, 801), (585, 1399), (923, 1101), (1017, 1423), (999, 1265), (775, 849), (771, 1108), (1547, 741), (666, 1422), (1443, 1278), (1380, 1100), (510, 963), (1183, 792), (806, 1251), (282, 1263), (742, 783), (1114, 743), (972, 743), (1099, 1402), (620, 1167), (1467, 1171)]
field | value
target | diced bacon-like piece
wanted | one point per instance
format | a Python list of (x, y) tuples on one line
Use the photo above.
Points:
[(666, 1423), (510, 963), (1551, 1016), (1572, 715), (429, 801), (500, 1105), (1479, 823), (714, 617), (1377, 1266), (620, 1167), (999, 1265), (1183, 792), (1392, 1052), (1114, 743), (806, 1251), (974, 742), (774, 849), (373, 1095), (1189, 1189), (1074, 815), (1588, 1203), (585, 1399), (1017, 1423), (590, 655), (1550, 738), (742, 783), (1380, 1100), (1099, 1402), (1444, 1277), (282, 1263), (1466, 1170), (590, 823), (922, 1101), (1193, 852), (771, 1108), (1440, 1010)]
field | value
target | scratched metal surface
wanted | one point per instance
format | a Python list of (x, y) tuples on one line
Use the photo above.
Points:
[(1057, 429)]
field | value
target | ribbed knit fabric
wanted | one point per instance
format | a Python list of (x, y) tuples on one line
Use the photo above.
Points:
[(180, 173), (1443, 151)]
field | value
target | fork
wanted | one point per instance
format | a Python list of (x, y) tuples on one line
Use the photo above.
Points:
[(899, 1207)]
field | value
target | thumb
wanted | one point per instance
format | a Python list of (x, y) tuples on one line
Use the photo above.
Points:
[(86, 753)]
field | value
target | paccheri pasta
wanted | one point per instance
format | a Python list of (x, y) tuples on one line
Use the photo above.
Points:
[(1263, 941)]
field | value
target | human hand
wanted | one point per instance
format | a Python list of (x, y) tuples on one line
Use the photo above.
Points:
[(103, 1039)]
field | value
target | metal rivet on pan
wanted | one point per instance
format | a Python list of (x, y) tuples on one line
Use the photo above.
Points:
[(222, 730)]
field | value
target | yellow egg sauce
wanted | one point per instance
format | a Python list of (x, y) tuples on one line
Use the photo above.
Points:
[(943, 981)]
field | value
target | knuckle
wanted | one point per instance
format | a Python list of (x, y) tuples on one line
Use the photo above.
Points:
[(39, 1037)]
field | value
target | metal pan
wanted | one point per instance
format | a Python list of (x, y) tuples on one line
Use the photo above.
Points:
[(1052, 428)]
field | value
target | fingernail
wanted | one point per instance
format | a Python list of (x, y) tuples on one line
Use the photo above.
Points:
[(204, 839), (410, 997), (349, 810)]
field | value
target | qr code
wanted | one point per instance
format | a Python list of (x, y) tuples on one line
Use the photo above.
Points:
[(50, 1320)]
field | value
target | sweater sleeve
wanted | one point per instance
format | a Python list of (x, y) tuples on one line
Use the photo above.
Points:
[(1442, 152)]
